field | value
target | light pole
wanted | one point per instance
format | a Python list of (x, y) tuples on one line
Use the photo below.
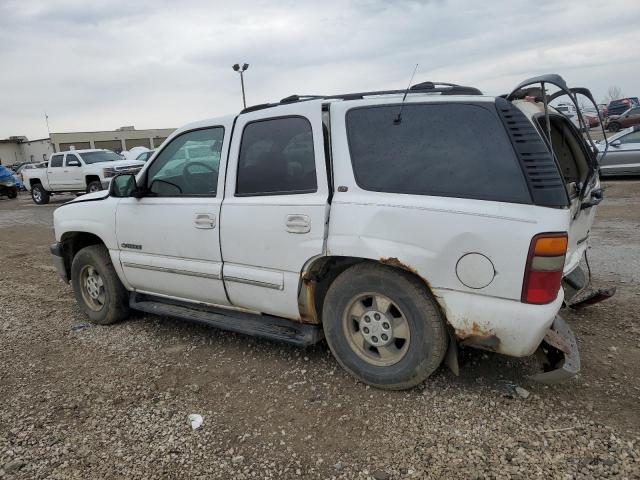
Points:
[(241, 70)]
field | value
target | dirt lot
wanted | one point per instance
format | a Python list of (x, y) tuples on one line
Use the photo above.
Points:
[(79, 401)]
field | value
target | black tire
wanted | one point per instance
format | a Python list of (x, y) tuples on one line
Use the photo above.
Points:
[(13, 195), (115, 304), (94, 186), (428, 339), (614, 127), (39, 195)]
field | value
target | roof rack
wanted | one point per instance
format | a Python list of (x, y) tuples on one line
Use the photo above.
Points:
[(425, 87)]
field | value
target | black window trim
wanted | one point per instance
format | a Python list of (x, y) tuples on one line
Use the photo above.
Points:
[(489, 106), (147, 191), (285, 192)]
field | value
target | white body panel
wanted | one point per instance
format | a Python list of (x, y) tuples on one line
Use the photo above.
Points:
[(263, 257), (171, 245)]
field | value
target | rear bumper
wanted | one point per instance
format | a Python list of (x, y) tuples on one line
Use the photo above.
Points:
[(560, 350), (57, 255), (504, 326)]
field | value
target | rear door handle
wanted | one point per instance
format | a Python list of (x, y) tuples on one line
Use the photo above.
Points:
[(205, 220), (297, 223)]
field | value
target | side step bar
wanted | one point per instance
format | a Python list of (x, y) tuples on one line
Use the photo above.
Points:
[(267, 326)]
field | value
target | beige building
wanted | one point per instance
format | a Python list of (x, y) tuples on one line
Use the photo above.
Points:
[(124, 138), (19, 149)]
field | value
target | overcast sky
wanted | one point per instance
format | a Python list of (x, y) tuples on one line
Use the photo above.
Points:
[(99, 65)]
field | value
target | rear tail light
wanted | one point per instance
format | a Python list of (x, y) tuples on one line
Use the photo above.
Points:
[(545, 264)]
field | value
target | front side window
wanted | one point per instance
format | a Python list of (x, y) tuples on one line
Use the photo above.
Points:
[(277, 158), (71, 158), (450, 150), (188, 165), (56, 161)]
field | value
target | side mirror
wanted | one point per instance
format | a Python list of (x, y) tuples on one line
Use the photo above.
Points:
[(123, 186), (73, 163), (616, 143)]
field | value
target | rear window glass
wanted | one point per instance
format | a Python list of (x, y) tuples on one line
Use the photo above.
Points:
[(451, 150)]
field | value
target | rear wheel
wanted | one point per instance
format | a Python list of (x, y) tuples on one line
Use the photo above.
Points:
[(39, 195), (94, 186), (97, 288), (13, 194), (383, 326), (614, 127)]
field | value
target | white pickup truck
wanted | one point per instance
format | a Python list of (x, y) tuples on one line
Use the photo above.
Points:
[(397, 225), (73, 171)]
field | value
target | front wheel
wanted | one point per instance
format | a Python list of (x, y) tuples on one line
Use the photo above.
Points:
[(614, 127), (39, 195), (97, 288), (383, 326)]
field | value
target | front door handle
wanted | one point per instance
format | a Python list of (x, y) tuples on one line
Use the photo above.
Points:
[(298, 223), (205, 220)]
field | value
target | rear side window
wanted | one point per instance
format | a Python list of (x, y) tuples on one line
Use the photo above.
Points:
[(450, 150), (277, 158), (56, 161)]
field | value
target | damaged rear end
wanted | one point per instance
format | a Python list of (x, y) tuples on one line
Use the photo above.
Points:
[(575, 155)]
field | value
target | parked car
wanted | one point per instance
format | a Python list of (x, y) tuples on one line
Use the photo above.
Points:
[(76, 171), (134, 153), (7, 183), (397, 228), (144, 156), (623, 155), (616, 107), (626, 119)]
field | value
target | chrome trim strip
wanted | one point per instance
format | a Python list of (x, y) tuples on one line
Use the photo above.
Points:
[(213, 276), (256, 283)]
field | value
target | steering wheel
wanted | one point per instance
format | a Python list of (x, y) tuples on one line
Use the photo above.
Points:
[(188, 177)]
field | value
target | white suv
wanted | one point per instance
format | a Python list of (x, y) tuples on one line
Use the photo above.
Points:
[(397, 228)]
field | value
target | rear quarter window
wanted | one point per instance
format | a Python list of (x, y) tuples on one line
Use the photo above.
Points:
[(451, 150)]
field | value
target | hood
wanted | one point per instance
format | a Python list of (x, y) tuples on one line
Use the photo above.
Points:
[(613, 117), (118, 164), (101, 195)]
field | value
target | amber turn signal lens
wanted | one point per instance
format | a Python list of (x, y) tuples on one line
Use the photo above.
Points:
[(551, 246)]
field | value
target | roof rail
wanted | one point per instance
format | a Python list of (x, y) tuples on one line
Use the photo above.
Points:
[(425, 87)]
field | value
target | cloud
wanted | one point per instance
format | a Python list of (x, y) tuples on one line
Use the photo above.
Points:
[(102, 64)]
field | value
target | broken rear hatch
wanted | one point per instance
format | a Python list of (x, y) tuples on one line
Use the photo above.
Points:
[(576, 155)]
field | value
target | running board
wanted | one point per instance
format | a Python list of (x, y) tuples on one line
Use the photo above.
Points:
[(267, 326)]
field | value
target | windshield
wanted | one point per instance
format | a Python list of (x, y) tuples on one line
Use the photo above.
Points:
[(97, 157)]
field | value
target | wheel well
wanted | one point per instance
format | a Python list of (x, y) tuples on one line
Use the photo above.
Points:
[(91, 178), (73, 242), (319, 276), (34, 181)]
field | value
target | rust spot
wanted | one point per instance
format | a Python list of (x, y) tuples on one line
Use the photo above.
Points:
[(306, 302), (478, 338), (394, 262)]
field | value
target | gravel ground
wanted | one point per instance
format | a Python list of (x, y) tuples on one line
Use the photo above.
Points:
[(80, 401)]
